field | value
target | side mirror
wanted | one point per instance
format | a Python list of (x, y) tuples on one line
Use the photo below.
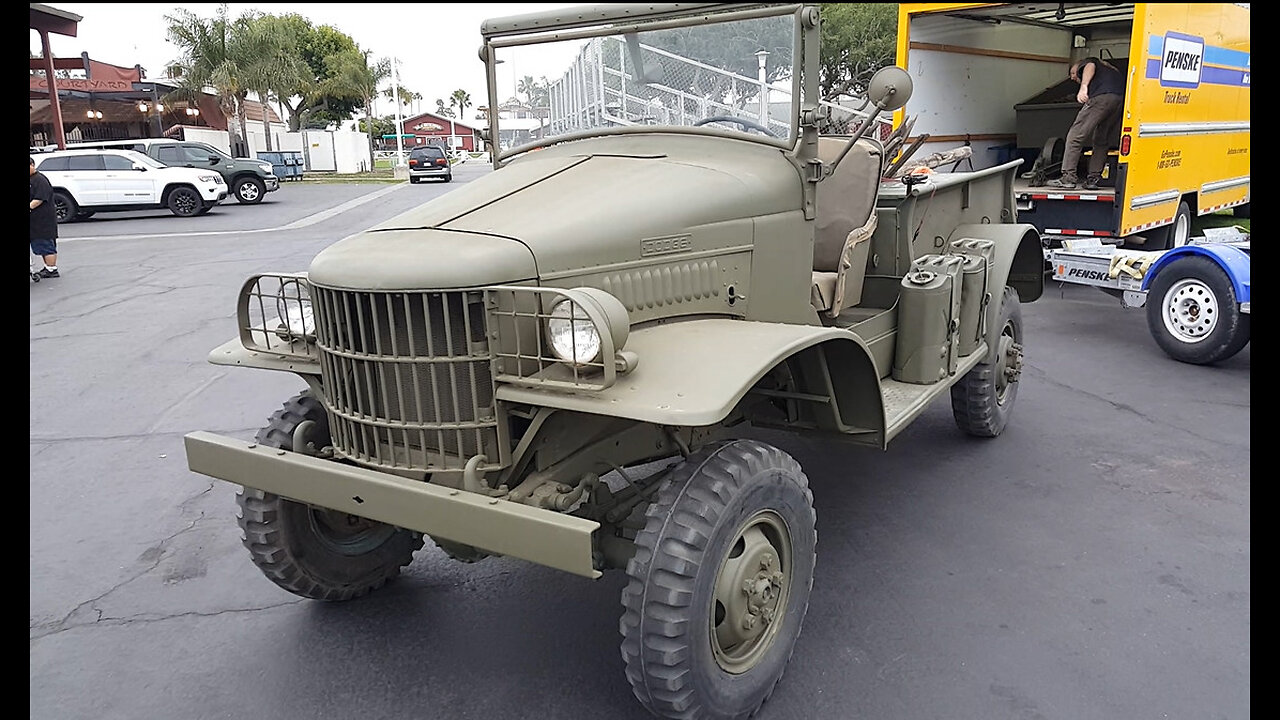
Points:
[(213, 159), (890, 88), (139, 167)]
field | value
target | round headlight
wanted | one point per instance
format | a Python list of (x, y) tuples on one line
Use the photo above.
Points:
[(573, 337), (293, 303)]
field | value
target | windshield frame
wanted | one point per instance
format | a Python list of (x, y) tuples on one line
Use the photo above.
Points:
[(611, 21)]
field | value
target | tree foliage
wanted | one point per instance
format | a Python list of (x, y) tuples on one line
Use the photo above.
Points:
[(857, 40), (317, 72), (308, 102), (212, 55)]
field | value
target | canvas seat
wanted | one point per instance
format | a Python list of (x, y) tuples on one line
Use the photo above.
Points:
[(846, 220)]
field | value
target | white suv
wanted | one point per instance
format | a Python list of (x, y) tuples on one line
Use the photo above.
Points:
[(89, 181)]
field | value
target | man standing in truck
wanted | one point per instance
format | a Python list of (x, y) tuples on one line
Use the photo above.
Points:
[(1102, 95)]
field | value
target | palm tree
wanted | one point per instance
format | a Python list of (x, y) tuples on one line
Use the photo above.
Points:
[(211, 56), (273, 60), (460, 99), (528, 86), (274, 64), (351, 75)]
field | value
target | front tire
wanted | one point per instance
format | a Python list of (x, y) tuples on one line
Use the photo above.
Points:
[(719, 584), (1193, 313), (249, 191), (309, 551), (184, 202), (982, 400)]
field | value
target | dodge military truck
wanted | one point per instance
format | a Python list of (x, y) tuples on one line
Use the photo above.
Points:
[(559, 360)]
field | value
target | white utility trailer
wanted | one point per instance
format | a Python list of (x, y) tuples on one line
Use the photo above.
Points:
[(1196, 295)]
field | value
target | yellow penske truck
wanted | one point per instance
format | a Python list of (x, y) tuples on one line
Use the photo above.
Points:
[(995, 77)]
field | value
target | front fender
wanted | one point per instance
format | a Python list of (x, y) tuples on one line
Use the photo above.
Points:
[(694, 372)]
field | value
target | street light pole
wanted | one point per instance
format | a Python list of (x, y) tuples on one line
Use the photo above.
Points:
[(395, 93), (157, 107)]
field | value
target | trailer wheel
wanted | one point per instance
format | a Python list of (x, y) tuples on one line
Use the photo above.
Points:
[(314, 552), (982, 400), (719, 584), (1193, 313)]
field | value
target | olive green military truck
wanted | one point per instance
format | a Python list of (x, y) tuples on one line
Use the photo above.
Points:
[(557, 361)]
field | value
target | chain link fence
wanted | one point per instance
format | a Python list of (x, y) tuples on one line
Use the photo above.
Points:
[(601, 88)]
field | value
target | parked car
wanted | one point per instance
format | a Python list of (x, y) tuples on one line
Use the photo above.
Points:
[(97, 180), (429, 161), (249, 179)]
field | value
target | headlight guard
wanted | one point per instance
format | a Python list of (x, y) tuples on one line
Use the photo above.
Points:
[(555, 337), (275, 315)]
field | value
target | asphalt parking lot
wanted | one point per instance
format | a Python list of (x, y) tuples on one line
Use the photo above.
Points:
[(1092, 563)]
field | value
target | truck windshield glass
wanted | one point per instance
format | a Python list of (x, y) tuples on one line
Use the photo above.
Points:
[(732, 76)]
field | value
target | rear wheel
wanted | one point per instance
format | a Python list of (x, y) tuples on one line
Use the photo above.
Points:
[(1177, 233), (184, 201), (719, 584), (64, 207), (982, 399), (310, 551), (1193, 313)]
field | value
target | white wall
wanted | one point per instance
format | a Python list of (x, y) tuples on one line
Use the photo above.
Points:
[(350, 149), (961, 93), (339, 151), (281, 139)]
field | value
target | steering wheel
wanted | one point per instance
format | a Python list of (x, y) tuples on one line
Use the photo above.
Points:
[(743, 122)]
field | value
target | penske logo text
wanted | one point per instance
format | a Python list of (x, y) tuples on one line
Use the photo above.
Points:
[(1083, 274), (1181, 63)]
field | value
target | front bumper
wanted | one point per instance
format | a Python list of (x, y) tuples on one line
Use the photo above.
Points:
[(213, 194), (271, 183), (541, 536)]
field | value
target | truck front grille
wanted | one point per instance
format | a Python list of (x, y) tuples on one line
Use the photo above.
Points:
[(407, 378)]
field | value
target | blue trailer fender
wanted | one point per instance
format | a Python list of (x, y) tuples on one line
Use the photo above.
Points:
[(1233, 260)]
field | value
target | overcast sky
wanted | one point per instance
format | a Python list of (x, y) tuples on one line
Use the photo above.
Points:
[(436, 44)]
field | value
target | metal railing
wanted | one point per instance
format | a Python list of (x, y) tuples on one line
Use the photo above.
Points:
[(600, 90)]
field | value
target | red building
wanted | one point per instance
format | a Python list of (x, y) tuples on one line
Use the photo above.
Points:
[(433, 129)]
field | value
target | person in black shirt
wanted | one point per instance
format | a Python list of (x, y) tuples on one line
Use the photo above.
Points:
[(1102, 94), (44, 222)]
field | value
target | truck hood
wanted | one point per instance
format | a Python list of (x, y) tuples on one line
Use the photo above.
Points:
[(421, 259), (578, 205)]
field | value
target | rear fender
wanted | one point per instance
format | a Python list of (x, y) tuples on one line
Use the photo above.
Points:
[(694, 373), (1018, 263)]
